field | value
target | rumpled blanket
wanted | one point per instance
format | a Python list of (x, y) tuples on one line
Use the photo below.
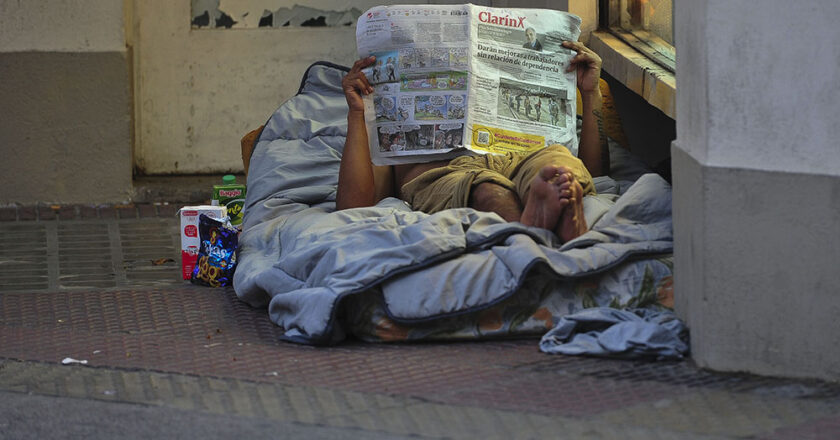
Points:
[(627, 334), (301, 258)]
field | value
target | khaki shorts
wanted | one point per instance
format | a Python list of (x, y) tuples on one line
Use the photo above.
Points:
[(449, 186)]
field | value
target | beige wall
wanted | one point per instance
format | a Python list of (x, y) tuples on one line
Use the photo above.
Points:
[(65, 130), (92, 88), (198, 91), (61, 26)]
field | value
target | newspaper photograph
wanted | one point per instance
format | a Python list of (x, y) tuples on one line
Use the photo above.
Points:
[(454, 77)]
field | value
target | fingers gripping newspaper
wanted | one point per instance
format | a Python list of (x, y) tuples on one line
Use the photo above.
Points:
[(454, 77)]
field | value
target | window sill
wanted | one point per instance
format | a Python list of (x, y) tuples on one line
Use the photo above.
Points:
[(633, 69)]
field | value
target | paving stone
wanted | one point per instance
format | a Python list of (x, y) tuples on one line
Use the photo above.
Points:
[(68, 212), (28, 213), (8, 213), (197, 333), (107, 212), (822, 428), (126, 211), (146, 210), (167, 211), (46, 213), (87, 212)]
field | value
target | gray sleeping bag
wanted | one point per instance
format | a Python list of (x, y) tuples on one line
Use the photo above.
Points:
[(300, 258)]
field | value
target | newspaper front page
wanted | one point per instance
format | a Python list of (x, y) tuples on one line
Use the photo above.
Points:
[(450, 78)]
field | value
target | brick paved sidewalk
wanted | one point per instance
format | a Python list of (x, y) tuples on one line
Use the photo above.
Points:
[(157, 346)]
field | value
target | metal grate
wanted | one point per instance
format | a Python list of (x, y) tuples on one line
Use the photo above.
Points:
[(71, 255), (84, 255), (23, 257), (150, 252)]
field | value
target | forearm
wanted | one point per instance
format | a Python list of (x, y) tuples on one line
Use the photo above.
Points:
[(356, 187), (594, 150)]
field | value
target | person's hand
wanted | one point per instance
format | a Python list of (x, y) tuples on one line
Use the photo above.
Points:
[(588, 66), (355, 84)]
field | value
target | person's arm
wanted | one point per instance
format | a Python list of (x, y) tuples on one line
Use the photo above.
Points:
[(593, 149), (359, 182)]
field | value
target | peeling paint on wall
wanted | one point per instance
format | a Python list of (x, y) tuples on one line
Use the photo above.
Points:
[(305, 16), (209, 14), (206, 14)]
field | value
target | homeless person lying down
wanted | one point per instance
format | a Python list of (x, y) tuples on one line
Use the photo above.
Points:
[(544, 189)]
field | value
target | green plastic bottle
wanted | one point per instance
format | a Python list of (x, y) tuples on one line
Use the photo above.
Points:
[(232, 196)]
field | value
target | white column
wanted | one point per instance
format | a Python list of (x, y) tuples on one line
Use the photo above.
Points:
[(756, 168)]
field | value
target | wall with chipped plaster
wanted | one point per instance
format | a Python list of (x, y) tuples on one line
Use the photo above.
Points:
[(756, 169), (73, 70), (247, 13), (65, 130), (200, 90)]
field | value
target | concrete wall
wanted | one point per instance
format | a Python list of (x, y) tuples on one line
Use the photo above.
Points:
[(65, 130), (93, 88), (199, 91), (756, 169)]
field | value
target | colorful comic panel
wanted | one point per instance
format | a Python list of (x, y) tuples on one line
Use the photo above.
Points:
[(456, 107), (386, 108), (419, 137), (448, 135), (429, 107)]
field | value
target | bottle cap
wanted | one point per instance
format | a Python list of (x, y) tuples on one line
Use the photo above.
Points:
[(229, 179)]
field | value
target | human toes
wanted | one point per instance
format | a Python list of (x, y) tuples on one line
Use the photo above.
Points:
[(577, 192), (564, 174), (550, 172), (566, 194)]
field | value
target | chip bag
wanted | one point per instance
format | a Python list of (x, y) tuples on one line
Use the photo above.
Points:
[(216, 254)]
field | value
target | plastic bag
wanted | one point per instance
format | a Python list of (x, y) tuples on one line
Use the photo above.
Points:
[(217, 252)]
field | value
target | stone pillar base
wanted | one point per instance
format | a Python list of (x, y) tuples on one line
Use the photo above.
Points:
[(757, 268)]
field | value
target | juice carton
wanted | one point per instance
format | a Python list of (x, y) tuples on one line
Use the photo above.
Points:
[(190, 240), (232, 196)]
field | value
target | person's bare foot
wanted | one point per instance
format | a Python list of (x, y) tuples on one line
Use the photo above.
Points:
[(572, 222), (555, 202), (547, 198)]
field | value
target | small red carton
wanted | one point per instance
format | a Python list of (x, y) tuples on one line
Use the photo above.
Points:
[(190, 241)]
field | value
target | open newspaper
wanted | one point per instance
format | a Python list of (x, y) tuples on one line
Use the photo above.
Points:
[(453, 77)]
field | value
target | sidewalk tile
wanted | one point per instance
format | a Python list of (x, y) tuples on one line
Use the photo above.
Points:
[(47, 213), (8, 214), (27, 213), (68, 212), (167, 211), (146, 210), (126, 211), (107, 212), (88, 212)]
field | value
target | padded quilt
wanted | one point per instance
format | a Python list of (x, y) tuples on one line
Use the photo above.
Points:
[(390, 273)]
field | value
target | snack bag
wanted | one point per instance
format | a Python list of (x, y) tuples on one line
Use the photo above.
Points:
[(216, 254), (189, 234)]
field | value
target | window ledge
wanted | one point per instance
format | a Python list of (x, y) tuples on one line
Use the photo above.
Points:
[(649, 80)]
